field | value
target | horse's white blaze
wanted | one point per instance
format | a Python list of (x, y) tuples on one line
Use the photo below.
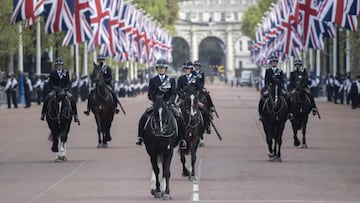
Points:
[(160, 119), (192, 112)]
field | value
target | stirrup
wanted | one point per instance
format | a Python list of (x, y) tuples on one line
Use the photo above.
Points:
[(42, 117), (117, 111), (314, 111), (290, 116)]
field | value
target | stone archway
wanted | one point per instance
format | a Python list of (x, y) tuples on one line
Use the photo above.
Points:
[(212, 54), (180, 51)]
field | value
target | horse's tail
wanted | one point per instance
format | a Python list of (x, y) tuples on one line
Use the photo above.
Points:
[(51, 137)]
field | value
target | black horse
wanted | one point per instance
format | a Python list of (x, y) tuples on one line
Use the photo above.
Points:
[(58, 117), (300, 104), (102, 106), (275, 112), (194, 127), (160, 139)]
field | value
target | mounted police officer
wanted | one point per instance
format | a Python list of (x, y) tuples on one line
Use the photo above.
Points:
[(157, 86), (298, 74), (273, 76), (201, 77), (59, 80), (108, 79)]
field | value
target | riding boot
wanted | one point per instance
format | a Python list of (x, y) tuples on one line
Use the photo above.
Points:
[(261, 103), (44, 107), (181, 127), (116, 101), (140, 137), (74, 110), (290, 115), (87, 112)]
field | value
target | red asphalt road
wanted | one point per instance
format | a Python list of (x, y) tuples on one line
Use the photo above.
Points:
[(233, 170)]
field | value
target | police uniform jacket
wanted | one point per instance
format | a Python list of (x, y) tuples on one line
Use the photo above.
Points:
[(183, 82), (59, 80), (200, 77), (294, 76), (271, 77), (107, 74), (154, 88)]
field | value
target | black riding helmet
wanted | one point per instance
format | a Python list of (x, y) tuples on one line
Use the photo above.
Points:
[(297, 62), (100, 57), (59, 61), (189, 65), (197, 62), (161, 63)]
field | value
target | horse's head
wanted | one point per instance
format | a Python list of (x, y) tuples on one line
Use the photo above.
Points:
[(98, 75), (191, 101), (161, 110)]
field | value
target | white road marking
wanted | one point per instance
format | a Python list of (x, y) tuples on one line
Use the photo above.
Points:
[(195, 186), (58, 182)]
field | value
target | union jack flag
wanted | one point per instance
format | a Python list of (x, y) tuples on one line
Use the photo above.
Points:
[(310, 25), (81, 30), (335, 11), (353, 7), (27, 10), (58, 15), (99, 22)]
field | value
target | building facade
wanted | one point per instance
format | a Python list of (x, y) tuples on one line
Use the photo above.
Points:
[(216, 21)]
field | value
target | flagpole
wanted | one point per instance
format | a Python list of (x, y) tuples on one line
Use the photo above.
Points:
[(85, 67), (38, 47), (311, 60), (21, 66), (348, 69), (334, 53), (318, 65), (76, 58)]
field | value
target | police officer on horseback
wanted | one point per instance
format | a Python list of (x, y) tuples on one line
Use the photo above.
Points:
[(108, 80), (59, 80), (162, 85), (201, 78), (273, 76), (298, 75)]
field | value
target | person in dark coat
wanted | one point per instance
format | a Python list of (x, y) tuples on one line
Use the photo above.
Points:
[(27, 90), (162, 84), (108, 80), (329, 82), (11, 90), (355, 93), (59, 79)]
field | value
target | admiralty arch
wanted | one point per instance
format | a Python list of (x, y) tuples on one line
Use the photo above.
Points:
[(209, 30)]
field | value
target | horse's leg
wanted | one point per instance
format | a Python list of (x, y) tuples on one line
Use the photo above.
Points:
[(166, 173), (54, 147), (269, 142), (185, 171), (154, 164), (194, 148), (304, 145), (295, 130), (278, 141), (99, 133)]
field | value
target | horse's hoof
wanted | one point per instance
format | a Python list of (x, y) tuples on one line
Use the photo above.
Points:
[(99, 145), (277, 159), (166, 197), (304, 146), (270, 155), (105, 145), (201, 144), (58, 159), (152, 191), (158, 195), (272, 158), (296, 143), (185, 173), (192, 178)]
